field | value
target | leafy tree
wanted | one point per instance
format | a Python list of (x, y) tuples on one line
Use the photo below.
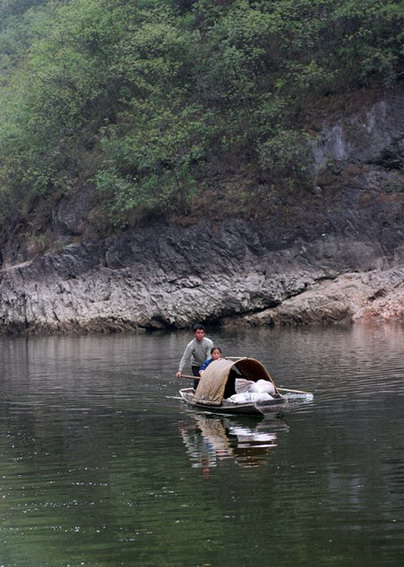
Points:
[(139, 96)]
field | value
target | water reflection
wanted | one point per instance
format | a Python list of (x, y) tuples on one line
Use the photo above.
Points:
[(211, 440)]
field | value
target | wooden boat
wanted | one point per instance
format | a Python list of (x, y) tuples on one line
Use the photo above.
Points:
[(218, 382)]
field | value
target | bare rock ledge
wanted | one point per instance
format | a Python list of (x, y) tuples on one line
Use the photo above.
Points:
[(163, 277)]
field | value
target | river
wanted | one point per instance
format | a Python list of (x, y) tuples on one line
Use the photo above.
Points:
[(102, 465)]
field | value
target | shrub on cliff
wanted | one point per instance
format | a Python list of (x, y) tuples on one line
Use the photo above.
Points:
[(139, 96)]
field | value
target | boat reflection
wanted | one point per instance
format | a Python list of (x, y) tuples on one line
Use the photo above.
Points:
[(210, 440)]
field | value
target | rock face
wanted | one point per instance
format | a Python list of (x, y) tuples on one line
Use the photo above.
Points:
[(364, 297), (335, 255), (166, 276)]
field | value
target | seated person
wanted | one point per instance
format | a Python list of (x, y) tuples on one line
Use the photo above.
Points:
[(216, 353)]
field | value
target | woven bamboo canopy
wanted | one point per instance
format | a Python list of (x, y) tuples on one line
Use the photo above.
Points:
[(212, 385)]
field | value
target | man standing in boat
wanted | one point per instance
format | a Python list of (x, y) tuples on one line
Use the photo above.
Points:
[(196, 352)]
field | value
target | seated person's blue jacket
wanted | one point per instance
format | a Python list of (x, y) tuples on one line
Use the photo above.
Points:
[(206, 364)]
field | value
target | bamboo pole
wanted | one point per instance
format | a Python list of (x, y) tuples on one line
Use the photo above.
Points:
[(293, 391), (188, 376)]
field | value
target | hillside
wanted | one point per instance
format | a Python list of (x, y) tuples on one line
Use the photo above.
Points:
[(163, 161)]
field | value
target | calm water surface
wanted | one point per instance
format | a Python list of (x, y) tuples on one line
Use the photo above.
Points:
[(101, 465)]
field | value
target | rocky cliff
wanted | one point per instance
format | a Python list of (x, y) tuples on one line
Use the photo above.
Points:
[(333, 254)]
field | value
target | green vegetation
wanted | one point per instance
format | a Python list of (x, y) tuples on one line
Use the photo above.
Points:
[(141, 98)]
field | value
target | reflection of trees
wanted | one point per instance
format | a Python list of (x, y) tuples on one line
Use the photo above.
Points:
[(210, 440)]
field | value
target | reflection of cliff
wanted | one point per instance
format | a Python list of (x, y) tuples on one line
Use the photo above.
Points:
[(210, 440)]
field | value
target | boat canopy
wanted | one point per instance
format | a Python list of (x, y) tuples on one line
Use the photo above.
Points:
[(212, 385)]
